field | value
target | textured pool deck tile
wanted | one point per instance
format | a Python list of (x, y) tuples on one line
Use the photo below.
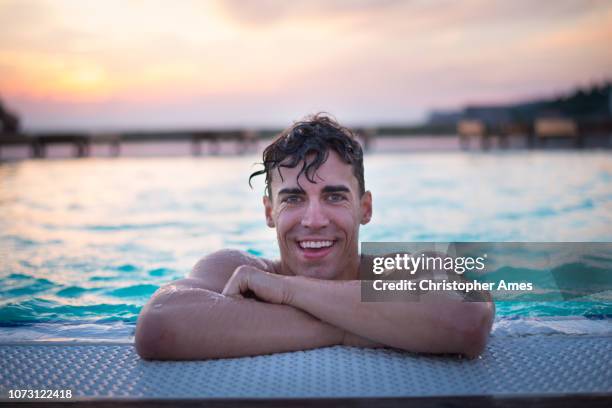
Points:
[(534, 365)]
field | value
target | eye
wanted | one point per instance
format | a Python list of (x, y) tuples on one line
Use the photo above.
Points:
[(292, 199), (335, 198)]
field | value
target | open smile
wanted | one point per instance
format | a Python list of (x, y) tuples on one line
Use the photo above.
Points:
[(315, 248)]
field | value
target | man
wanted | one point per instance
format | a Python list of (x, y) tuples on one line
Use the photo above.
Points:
[(234, 304)]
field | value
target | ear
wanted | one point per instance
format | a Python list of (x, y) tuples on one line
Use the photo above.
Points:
[(366, 207), (268, 210)]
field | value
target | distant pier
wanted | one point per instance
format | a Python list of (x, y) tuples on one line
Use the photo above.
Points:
[(469, 134), (82, 143), (542, 133)]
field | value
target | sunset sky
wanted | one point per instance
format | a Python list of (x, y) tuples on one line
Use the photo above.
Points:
[(95, 65)]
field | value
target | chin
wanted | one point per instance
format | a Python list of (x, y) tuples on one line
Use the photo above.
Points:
[(318, 272)]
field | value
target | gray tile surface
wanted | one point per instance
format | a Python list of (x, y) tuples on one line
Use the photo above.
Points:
[(522, 365)]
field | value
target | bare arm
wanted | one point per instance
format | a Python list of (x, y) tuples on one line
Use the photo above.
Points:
[(436, 323), (185, 322), (189, 319)]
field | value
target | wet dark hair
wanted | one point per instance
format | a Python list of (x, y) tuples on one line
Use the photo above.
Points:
[(316, 134)]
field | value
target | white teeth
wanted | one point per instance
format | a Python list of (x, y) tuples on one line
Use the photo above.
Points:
[(316, 244)]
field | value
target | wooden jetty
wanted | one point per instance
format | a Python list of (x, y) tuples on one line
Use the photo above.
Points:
[(468, 129), (547, 129), (244, 140), (543, 133), (82, 142)]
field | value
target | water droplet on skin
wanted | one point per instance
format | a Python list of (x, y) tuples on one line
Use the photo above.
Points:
[(216, 297), (157, 306), (167, 290)]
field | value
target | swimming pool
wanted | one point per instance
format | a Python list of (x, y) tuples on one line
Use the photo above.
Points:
[(84, 243)]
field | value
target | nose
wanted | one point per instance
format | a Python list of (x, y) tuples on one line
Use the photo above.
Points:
[(314, 217)]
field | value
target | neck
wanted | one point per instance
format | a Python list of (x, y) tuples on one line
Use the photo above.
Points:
[(349, 272)]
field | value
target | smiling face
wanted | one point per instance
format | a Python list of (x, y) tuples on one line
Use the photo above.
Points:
[(317, 224)]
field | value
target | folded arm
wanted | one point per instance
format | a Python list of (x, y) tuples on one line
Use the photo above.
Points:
[(189, 319), (436, 323), (185, 322)]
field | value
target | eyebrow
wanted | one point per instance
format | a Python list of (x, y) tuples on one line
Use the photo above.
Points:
[(336, 189), (293, 190), (326, 189)]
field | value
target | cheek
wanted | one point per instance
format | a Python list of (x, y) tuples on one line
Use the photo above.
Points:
[(286, 219), (348, 221)]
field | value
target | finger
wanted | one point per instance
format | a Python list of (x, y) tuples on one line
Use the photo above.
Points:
[(238, 282), (232, 288)]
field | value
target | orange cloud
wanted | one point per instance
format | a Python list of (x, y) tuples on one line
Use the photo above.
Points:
[(378, 57)]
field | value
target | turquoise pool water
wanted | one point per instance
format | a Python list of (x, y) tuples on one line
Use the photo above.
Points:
[(84, 243)]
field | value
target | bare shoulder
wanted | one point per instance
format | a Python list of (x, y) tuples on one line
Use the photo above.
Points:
[(216, 268)]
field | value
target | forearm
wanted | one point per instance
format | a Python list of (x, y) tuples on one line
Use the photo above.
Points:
[(433, 324), (339, 303), (194, 323)]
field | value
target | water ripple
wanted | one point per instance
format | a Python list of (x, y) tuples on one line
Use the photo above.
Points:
[(134, 291), (69, 251), (43, 310)]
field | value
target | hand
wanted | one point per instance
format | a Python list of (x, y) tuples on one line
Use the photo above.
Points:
[(269, 287)]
